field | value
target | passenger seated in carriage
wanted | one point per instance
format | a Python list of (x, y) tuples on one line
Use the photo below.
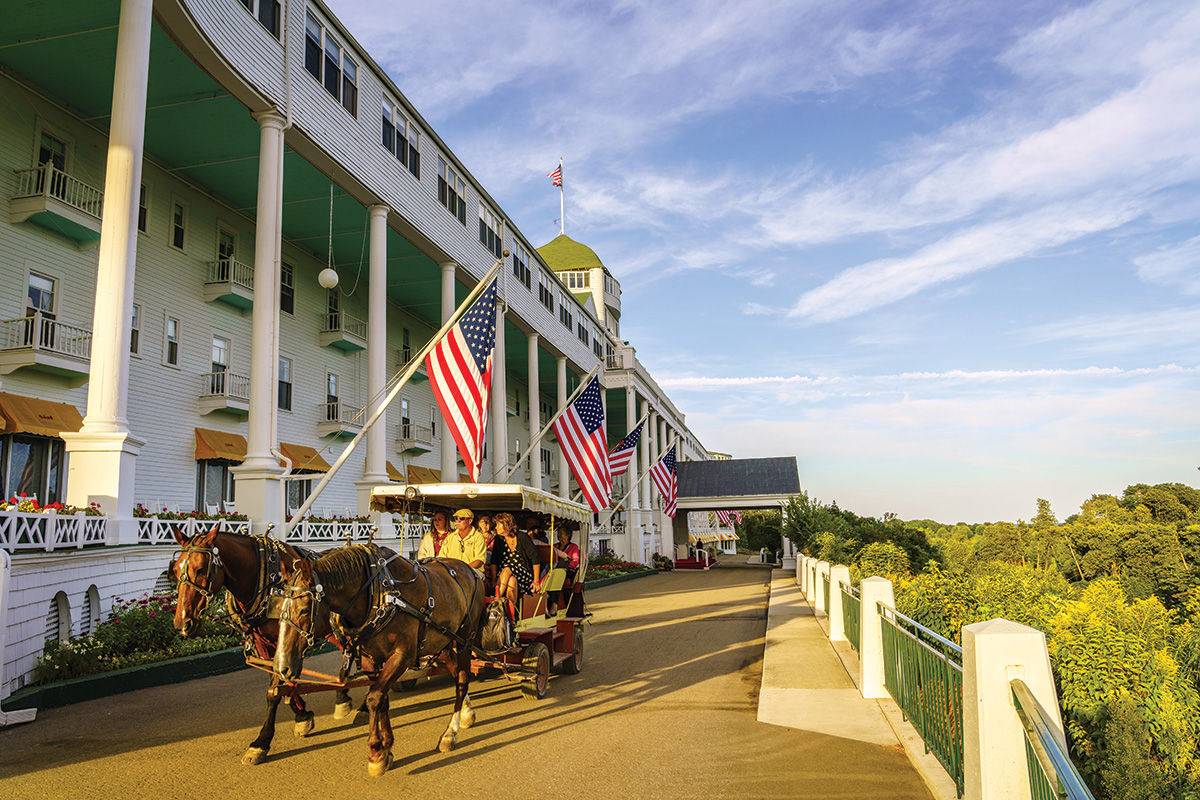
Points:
[(536, 524), (566, 557), (514, 565), (431, 543)]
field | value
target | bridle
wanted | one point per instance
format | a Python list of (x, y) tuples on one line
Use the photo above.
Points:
[(214, 563), (285, 612)]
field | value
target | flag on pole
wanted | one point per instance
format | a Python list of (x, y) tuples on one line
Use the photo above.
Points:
[(726, 517), (580, 431), (619, 458), (557, 175), (663, 474), (737, 515), (460, 372)]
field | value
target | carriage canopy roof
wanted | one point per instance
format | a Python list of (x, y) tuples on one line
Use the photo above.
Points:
[(479, 497)]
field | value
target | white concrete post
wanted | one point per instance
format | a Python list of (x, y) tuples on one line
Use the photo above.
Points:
[(838, 574), (103, 454), (535, 414), (635, 464), (257, 486), (375, 472), (449, 303), (564, 469), (644, 491), (995, 652), (819, 588), (499, 410), (870, 662)]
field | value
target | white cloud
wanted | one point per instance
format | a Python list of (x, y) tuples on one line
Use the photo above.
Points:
[(1176, 327), (1178, 265)]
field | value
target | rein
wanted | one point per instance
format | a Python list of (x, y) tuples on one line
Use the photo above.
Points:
[(214, 562)]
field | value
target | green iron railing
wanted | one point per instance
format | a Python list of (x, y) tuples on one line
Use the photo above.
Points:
[(923, 673), (825, 589), (1052, 774), (852, 615)]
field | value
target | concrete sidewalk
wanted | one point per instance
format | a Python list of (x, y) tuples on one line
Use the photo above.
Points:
[(810, 683)]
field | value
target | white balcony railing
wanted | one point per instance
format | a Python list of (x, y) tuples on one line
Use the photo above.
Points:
[(225, 384), (20, 530), (227, 270), (41, 333), (339, 413), (152, 530), (46, 181), (341, 322), (614, 361)]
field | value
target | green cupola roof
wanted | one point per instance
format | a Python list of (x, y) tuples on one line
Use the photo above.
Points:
[(564, 253)]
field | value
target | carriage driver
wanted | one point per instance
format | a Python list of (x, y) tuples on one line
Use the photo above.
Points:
[(466, 543)]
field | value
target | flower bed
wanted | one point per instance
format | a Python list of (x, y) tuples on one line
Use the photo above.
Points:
[(137, 632), (606, 565)]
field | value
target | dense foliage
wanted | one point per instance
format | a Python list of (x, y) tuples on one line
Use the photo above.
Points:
[(136, 632), (1115, 588)]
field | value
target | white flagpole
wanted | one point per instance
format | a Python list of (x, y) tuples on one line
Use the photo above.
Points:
[(521, 458), (612, 511), (404, 378), (562, 202), (579, 494)]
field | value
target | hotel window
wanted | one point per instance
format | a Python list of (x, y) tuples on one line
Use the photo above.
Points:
[(267, 12), (287, 288), (143, 209), (433, 415), (135, 329), (297, 493), (597, 345), (332, 398), (40, 295), (582, 332), (217, 379), (490, 234), (171, 342), (285, 384), (545, 293), (405, 420), (226, 253), (578, 280), (401, 138), (178, 224), (33, 466), (520, 264), (545, 460), (405, 346), (452, 192), (564, 312), (214, 483), (327, 61)]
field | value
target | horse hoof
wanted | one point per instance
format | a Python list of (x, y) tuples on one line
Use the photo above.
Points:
[(377, 768), (447, 743), (341, 710), (254, 756), (304, 728)]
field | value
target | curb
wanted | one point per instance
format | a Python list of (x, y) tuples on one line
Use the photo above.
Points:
[(596, 584), (105, 684)]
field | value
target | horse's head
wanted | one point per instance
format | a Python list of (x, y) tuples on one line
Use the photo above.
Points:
[(303, 618), (198, 571)]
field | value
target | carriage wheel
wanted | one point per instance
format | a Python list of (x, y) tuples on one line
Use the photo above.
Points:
[(535, 665), (408, 685), (575, 663)]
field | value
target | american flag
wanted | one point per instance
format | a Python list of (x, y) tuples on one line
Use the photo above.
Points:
[(580, 431), (557, 175), (460, 372), (663, 474), (729, 517), (622, 454)]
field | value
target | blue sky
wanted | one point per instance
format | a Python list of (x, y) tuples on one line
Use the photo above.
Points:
[(947, 254)]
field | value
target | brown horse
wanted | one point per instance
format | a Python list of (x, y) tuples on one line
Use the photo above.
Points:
[(248, 568), (394, 612)]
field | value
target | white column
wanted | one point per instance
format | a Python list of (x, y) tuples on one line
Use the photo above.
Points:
[(564, 470), (535, 414), (872, 591), (994, 653), (657, 518), (819, 589), (644, 491), (838, 574), (375, 472), (449, 449), (256, 480), (499, 412), (103, 454)]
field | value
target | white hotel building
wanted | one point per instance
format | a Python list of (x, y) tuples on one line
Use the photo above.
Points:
[(165, 340)]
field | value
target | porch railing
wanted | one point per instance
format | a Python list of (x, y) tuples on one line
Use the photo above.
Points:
[(225, 384), (49, 531), (340, 413), (152, 530), (923, 673), (341, 322), (50, 182), (39, 332)]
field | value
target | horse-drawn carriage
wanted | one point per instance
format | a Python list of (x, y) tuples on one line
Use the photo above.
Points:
[(399, 619), (544, 641)]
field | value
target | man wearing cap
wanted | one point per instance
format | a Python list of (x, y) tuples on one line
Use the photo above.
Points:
[(466, 543)]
